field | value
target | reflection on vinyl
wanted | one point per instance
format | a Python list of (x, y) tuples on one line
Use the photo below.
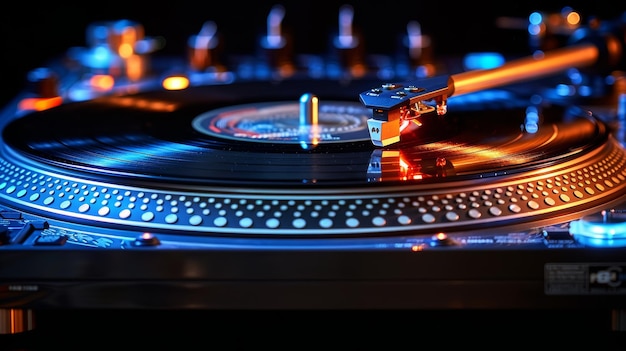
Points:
[(217, 159), (189, 140)]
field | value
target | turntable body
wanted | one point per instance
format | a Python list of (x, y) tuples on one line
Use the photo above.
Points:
[(212, 197)]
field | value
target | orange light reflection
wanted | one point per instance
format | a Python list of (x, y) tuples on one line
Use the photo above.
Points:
[(416, 248), (573, 18), (135, 67), (175, 83), (39, 104), (102, 82), (441, 236), (144, 104)]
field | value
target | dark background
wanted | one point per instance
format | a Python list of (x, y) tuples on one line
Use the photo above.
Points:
[(34, 33)]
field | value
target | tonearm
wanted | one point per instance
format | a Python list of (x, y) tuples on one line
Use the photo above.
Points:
[(394, 104)]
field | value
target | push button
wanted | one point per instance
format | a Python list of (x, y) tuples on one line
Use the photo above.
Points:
[(147, 239)]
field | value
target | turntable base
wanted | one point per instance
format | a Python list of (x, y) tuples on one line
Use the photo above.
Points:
[(161, 192), (244, 329)]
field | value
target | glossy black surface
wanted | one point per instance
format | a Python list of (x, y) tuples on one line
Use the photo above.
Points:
[(103, 290)]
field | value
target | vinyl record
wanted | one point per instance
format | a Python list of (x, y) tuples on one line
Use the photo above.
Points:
[(250, 134)]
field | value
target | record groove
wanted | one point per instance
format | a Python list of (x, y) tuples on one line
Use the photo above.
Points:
[(138, 162)]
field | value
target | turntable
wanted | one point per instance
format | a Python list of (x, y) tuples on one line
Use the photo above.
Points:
[(341, 181)]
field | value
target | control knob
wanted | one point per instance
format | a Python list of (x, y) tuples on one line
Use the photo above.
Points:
[(605, 229)]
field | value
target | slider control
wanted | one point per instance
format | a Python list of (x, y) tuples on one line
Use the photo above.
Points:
[(347, 43), (276, 44), (203, 48), (419, 50), (118, 48)]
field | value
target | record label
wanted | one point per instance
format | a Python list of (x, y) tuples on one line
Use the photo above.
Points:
[(280, 122)]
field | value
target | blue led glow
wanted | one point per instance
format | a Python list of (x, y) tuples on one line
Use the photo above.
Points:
[(422, 72), (575, 76), (536, 99), (535, 18), (80, 93), (621, 107), (475, 99), (531, 122), (483, 60), (534, 29), (564, 90), (585, 90), (99, 57)]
